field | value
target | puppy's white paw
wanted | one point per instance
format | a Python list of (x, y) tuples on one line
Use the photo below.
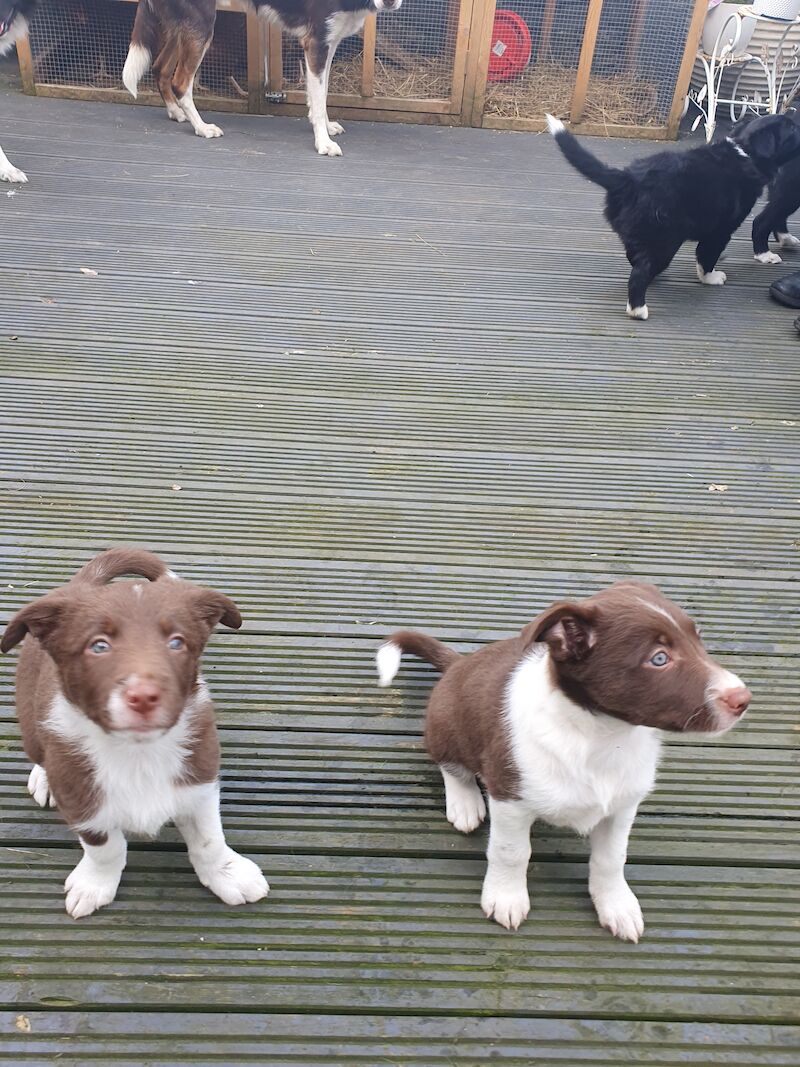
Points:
[(767, 257), (90, 887), (12, 174), (788, 240), (39, 787), (334, 129), (713, 277), (637, 313), (175, 113), (619, 912), (466, 808), (507, 905), (235, 880), (328, 148), (208, 129)]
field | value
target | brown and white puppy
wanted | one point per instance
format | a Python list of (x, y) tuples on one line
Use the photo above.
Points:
[(562, 723), (119, 724), (174, 35)]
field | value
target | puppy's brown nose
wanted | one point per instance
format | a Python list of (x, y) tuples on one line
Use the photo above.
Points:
[(736, 700), (142, 697)]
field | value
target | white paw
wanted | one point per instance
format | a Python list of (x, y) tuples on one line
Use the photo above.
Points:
[(12, 174), (175, 113), (619, 912), (713, 277), (208, 129), (334, 129), (788, 240), (236, 880), (328, 148), (466, 808), (767, 257), (89, 888), (506, 905), (637, 313), (39, 787)]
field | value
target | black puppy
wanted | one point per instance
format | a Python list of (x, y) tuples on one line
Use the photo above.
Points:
[(702, 195), (14, 15), (784, 200)]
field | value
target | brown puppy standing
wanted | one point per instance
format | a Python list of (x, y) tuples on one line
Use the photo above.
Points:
[(119, 724)]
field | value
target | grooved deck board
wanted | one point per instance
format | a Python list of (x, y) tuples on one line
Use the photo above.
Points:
[(392, 389)]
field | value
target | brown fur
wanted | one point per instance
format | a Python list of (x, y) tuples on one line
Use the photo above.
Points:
[(138, 619)]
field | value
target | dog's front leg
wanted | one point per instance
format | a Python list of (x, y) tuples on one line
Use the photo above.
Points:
[(95, 880), (318, 59), (233, 878), (616, 905), (8, 172), (505, 887)]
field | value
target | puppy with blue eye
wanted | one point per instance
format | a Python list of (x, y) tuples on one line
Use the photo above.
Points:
[(562, 724), (119, 724)]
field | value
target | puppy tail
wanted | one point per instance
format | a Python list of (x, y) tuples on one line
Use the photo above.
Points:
[(116, 562), (427, 648), (582, 160), (144, 43)]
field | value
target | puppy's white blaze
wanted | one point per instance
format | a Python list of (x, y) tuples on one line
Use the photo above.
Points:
[(637, 313), (171, 574), (554, 125), (388, 659), (136, 65), (767, 257), (656, 608)]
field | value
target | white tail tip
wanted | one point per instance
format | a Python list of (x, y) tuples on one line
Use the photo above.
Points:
[(388, 659), (554, 125), (136, 66)]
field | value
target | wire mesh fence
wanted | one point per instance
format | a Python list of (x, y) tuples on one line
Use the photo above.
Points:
[(83, 44)]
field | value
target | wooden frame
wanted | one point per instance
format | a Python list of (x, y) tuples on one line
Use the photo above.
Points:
[(468, 34)]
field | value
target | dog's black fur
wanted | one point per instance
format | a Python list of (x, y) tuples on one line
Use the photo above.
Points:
[(14, 18), (784, 200), (703, 195)]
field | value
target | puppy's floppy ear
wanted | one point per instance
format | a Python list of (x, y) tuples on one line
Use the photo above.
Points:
[(566, 628), (41, 618), (213, 607)]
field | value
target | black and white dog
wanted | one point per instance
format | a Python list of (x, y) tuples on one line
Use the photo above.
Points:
[(174, 35), (14, 15), (703, 195)]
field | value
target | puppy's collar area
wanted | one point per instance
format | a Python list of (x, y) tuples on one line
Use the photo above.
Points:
[(737, 147)]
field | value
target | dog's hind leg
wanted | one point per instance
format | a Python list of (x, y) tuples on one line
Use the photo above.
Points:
[(8, 172), (466, 809), (319, 57), (163, 71), (645, 267), (191, 50), (763, 224), (708, 252), (782, 235)]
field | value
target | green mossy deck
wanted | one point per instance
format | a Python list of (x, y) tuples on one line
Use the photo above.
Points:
[(395, 388)]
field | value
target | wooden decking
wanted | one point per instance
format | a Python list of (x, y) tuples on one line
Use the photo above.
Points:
[(396, 388)]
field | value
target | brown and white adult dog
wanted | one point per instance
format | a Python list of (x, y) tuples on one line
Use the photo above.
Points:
[(174, 36), (119, 724), (14, 17), (562, 723)]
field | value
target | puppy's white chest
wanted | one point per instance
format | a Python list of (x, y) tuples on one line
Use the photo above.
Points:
[(575, 768)]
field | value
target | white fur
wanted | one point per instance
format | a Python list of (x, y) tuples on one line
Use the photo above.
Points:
[(737, 147), (8, 172), (94, 882), (554, 125), (388, 659), (39, 787), (657, 609), (713, 277), (637, 313), (787, 240), (767, 257), (465, 805), (137, 63)]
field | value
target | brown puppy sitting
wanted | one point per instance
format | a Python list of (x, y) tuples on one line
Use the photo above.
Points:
[(119, 724)]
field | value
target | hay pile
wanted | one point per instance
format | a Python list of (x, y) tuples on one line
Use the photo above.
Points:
[(618, 99), (429, 78)]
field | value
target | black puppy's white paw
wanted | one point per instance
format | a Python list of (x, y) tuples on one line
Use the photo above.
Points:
[(637, 313)]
